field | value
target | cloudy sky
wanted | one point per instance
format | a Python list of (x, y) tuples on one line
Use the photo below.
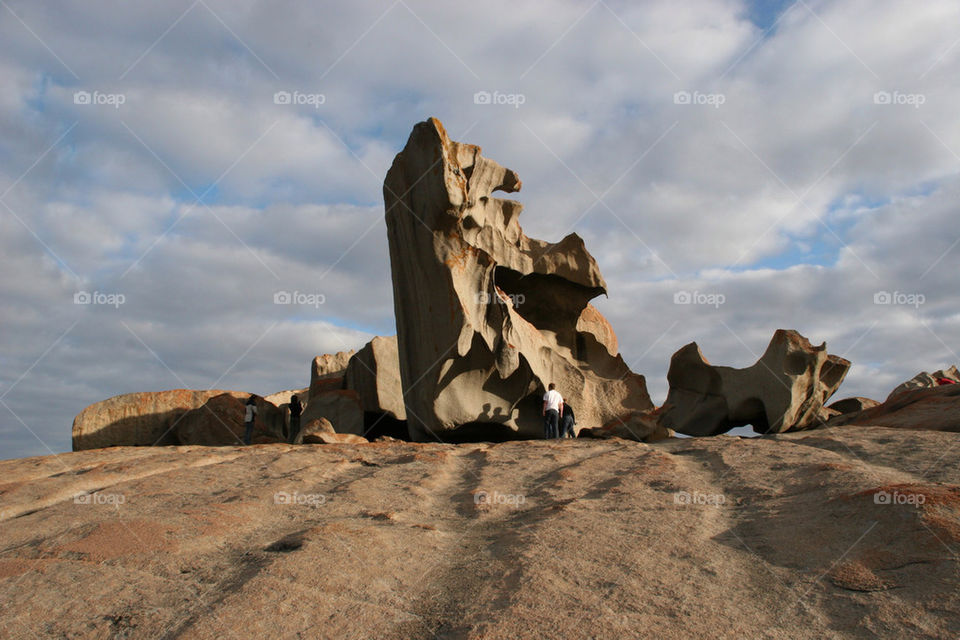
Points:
[(777, 164)]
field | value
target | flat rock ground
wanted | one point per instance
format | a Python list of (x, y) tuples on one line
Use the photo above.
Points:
[(782, 537)]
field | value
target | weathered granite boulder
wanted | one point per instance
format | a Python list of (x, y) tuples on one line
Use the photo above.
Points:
[(930, 409), (220, 422), (487, 317), (311, 430), (852, 405), (784, 391), (924, 380), (374, 373), (327, 371), (642, 426), (340, 406), (151, 418)]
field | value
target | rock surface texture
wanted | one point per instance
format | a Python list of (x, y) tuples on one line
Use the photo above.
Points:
[(784, 391), (487, 317), (789, 536)]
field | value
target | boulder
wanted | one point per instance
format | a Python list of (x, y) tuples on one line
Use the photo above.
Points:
[(374, 374), (785, 390), (220, 422), (924, 380), (340, 406), (311, 430), (930, 409), (149, 418), (642, 426), (486, 316), (852, 405), (327, 371), (324, 437)]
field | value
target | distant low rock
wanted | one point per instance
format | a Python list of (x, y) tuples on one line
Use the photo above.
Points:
[(852, 405), (928, 409), (784, 391), (642, 426), (924, 380), (152, 418)]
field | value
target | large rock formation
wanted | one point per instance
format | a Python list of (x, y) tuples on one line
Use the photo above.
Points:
[(487, 317), (152, 418), (784, 391)]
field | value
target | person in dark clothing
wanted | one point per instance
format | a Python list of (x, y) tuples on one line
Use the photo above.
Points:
[(249, 419), (295, 410), (567, 420)]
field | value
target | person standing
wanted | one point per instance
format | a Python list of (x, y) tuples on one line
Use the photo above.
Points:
[(249, 419), (552, 406), (295, 410), (567, 420)]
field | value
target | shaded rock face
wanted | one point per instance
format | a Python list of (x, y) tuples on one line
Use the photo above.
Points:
[(487, 317), (340, 406), (374, 373), (931, 409), (220, 422), (852, 405), (924, 380), (153, 418), (784, 391)]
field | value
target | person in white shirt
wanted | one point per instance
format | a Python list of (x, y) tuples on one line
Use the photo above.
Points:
[(552, 408)]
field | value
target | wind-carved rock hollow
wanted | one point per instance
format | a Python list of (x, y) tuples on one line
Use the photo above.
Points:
[(487, 317)]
